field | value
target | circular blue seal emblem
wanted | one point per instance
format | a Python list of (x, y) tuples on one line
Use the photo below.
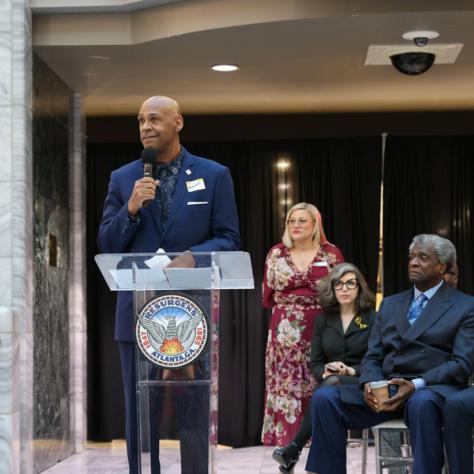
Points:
[(172, 330)]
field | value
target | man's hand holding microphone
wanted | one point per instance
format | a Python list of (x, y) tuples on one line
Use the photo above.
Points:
[(144, 189)]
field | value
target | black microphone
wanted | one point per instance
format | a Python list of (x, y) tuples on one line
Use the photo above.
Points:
[(148, 158)]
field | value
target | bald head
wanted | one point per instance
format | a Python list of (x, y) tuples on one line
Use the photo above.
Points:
[(162, 102), (160, 122)]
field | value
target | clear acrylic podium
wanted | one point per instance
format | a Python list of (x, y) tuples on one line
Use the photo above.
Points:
[(176, 326)]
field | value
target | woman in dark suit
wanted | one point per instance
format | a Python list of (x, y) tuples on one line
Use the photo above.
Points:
[(339, 342)]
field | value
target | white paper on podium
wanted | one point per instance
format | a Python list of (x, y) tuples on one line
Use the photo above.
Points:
[(160, 261)]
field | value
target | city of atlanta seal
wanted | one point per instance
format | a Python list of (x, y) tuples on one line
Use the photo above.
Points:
[(172, 330)]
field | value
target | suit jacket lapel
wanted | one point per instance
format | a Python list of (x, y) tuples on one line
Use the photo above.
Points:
[(434, 310), (180, 191), (353, 327), (401, 311), (334, 321)]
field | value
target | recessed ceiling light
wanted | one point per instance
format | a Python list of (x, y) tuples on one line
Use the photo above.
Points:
[(224, 67), (102, 58)]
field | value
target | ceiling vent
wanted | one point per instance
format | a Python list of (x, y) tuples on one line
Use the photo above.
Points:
[(444, 53)]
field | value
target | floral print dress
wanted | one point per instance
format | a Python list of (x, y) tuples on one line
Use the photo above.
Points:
[(292, 295)]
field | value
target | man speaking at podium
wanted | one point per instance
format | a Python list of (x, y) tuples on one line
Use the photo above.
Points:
[(187, 205)]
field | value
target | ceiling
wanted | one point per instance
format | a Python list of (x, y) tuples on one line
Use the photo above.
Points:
[(295, 56)]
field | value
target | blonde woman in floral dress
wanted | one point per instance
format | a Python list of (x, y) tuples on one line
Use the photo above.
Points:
[(292, 271)]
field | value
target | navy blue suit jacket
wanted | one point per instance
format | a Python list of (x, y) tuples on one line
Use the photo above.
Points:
[(439, 347), (204, 220)]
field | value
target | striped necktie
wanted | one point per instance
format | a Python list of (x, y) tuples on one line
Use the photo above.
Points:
[(416, 308)]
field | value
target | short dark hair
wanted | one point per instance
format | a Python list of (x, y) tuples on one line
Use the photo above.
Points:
[(327, 299)]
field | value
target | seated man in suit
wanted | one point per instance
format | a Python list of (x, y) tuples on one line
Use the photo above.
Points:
[(459, 420), (422, 343), (458, 423), (192, 207)]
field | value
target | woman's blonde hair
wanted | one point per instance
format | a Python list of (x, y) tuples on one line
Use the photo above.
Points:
[(318, 233)]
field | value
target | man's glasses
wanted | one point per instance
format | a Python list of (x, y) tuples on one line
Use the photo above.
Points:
[(351, 284)]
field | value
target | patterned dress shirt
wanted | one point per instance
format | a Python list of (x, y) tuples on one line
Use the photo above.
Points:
[(167, 173)]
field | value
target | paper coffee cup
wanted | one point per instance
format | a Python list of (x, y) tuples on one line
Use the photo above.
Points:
[(379, 390)]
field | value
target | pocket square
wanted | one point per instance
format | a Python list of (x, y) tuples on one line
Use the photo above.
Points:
[(197, 203)]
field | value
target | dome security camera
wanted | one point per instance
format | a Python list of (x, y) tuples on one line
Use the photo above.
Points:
[(412, 63), (421, 41)]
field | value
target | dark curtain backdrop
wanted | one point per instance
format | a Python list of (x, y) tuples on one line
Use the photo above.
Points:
[(341, 177), (243, 321), (428, 185)]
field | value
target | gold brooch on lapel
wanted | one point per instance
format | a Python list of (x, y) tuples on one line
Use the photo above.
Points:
[(358, 322)]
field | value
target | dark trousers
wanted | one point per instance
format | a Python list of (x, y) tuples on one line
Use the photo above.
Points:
[(129, 379), (458, 423), (331, 418), (304, 433), (193, 421)]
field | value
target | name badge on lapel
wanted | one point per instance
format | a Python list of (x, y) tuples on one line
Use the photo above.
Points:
[(195, 185)]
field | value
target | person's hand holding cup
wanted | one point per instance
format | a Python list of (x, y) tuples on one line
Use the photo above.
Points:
[(380, 393)]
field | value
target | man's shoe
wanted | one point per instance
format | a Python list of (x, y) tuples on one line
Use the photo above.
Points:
[(285, 459)]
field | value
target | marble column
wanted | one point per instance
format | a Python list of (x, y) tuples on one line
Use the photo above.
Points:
[(77, 288), (52, 145), (16, 222)]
